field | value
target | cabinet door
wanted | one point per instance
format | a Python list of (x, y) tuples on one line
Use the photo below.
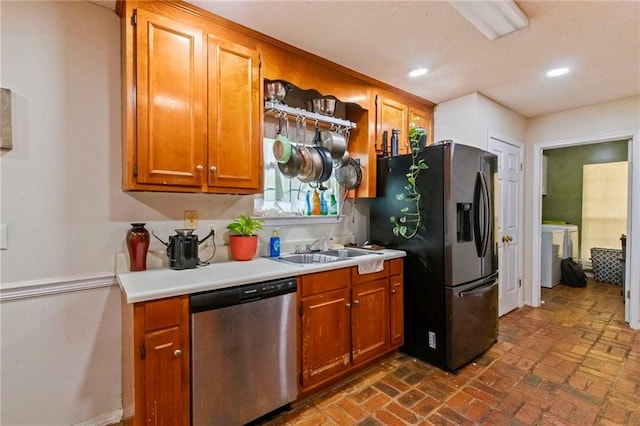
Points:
[(166, 378), (171, 101), (422, 118), (370, 319), (393, 115), (396, 308), (235, 119), (325, 336)]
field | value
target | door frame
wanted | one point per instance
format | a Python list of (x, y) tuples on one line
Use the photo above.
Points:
[(520, 208), (632, 270)]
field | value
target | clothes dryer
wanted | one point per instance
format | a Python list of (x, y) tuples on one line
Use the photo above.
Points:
[(570, 247)]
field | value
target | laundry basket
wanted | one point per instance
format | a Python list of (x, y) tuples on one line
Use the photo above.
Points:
[(607, 265)]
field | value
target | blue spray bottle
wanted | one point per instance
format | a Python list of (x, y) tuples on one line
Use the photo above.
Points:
[(274, 244)]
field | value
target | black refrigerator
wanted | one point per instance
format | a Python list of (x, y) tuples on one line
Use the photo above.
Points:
[(450, 271)]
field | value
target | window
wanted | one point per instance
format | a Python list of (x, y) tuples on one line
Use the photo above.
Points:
[(604, 205), (284, 196)]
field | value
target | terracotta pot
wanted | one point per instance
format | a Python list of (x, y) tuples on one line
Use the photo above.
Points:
[(243, 248)]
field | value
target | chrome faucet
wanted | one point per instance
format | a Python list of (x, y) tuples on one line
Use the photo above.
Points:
[(325, 243)]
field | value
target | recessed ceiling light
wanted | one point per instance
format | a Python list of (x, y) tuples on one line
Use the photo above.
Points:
[(418, 71), (557, 72)]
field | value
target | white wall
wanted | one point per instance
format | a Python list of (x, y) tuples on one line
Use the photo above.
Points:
[(67, 216), (469, 119), (61, 360), (61, 353), (591, 123)]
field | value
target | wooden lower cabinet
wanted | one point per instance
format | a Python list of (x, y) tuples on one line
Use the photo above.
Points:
[(346, 320), (326, 338), (156, 374), (396, 304), (370, 320)]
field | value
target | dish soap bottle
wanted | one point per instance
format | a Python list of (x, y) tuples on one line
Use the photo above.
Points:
[(315, 206), (274, 244), (307, 208), (323, 204), (333, 204)]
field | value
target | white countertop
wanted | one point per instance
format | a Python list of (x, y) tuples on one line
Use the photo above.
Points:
[(164, 282)]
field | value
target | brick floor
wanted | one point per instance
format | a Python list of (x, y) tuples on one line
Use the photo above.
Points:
[(573, 361)]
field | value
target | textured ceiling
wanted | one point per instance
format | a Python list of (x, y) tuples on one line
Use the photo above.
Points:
[(599, 40)]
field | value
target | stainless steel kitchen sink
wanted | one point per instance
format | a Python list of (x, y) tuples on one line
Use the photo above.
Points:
[(320, 257), (308, 258), (342, 253)]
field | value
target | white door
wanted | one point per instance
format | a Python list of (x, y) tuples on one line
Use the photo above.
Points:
[(508, 189)]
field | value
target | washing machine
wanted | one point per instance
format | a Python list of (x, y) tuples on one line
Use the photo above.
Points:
[(570, 244), (550, 256), (558, 242)]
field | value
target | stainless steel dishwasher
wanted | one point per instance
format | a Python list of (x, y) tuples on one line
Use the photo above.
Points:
[(243, 348)]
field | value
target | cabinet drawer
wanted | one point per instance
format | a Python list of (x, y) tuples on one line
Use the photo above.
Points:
[(165, 312), (357, 278), (395, 267), (324, 281)]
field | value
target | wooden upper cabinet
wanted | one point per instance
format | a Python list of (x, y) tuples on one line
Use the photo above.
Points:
[(170, 101), (192, 97), (235, 116), (393, 114), (422, 117)]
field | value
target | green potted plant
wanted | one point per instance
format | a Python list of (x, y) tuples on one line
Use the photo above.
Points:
[(408, 224), (244, 241)]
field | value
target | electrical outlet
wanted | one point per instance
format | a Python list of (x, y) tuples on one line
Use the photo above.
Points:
[(191, 219), (432, 340)]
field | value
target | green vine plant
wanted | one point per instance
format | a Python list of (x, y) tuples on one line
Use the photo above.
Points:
[(408, 224)]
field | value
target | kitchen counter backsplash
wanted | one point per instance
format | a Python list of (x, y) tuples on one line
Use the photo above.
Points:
[(290, 239)]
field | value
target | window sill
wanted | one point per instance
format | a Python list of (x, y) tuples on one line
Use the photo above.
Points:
[(298, 220)]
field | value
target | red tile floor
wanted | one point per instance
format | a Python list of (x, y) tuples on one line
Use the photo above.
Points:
[(574, 361)]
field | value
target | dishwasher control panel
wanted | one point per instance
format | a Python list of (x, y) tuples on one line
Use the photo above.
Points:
[(268, 289), (216, 299)]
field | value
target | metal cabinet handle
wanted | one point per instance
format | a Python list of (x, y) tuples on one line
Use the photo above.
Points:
[(213, 169), (394, 291), (199, 167), (356, 302), (348, 305), (177, 353)]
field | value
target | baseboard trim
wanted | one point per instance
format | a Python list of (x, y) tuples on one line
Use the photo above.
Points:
[(111, 418), (55, 287)]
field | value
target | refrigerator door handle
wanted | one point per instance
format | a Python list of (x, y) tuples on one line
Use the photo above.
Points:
[(488, 214), (482, 214), (477, 291)]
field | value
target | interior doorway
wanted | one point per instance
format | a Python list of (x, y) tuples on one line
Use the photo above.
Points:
[(582, 183), (584, 210), (632, 271)]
